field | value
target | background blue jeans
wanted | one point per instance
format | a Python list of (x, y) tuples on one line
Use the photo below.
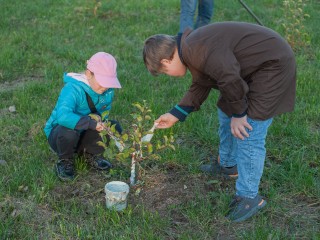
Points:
[(188, 9), (249, 154)]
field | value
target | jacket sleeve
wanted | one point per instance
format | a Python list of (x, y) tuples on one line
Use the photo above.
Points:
[(191, 101), (66, 110), (85, 123), (225, 68), (195, 96)]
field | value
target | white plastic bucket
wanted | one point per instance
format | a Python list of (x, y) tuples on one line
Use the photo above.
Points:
[(116, 195)]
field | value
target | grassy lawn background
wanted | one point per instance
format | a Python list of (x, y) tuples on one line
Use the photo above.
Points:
[(39, 40)]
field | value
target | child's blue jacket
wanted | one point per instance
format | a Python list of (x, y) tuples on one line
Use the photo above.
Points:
[(72, 108)]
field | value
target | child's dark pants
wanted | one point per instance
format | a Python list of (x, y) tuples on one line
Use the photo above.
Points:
[(66, 142)]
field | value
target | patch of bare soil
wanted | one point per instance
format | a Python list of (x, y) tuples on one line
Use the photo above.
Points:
[(13, 85), (160, 190), (88, 187), (164, 189)]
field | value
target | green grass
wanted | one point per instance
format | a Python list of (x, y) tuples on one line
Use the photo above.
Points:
[(39, 40)]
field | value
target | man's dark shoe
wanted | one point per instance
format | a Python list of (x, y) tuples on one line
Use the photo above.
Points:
[(65, 169), (98, 162), (242, 208), (216, 169)]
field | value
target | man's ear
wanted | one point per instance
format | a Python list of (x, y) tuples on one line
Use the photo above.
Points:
[(165, 61)]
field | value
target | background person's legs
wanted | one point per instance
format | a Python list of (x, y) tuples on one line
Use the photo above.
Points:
[(188, 9), (205, 12)]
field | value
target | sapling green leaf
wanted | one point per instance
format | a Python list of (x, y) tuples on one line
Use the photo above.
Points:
[(113, 128), (124, 137), (150, 148), (102, 144), (105, 114), (112, 143), (95, 117), (137, 105), (172, 147)]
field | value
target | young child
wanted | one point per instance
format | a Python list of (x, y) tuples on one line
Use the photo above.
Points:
[(254, 70), (69, 129)]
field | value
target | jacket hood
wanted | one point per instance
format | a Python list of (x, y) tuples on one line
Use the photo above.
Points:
[(80, 80)]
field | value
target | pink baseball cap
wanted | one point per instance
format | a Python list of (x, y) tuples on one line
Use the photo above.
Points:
[(104, 67)]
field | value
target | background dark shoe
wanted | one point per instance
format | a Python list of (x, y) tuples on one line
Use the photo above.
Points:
[(216, 169), (242, 208), (65, 169)]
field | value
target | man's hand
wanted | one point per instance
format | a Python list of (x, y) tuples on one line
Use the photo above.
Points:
[(238, 127), (166, 120)]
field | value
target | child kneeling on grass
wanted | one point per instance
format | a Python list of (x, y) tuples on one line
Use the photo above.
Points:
[(254, 70), (70, 130)]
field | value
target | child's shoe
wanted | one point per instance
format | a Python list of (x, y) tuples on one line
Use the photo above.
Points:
[(98, 162), (65, 169), (242, 208), (216, 169)]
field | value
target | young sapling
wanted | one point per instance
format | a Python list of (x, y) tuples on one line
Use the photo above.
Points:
[(136, 143)]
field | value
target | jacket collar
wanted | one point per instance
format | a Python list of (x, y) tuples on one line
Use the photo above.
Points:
[(180, 39)]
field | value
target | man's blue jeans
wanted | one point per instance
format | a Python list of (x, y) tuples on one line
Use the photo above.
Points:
[(188, 9), (249, 154)]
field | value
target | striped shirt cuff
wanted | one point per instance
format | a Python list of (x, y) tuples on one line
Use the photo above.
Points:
[(181, 112)]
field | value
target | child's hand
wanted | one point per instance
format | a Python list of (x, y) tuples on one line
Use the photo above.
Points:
[(166, 120), (100, 127), (238, 127)]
